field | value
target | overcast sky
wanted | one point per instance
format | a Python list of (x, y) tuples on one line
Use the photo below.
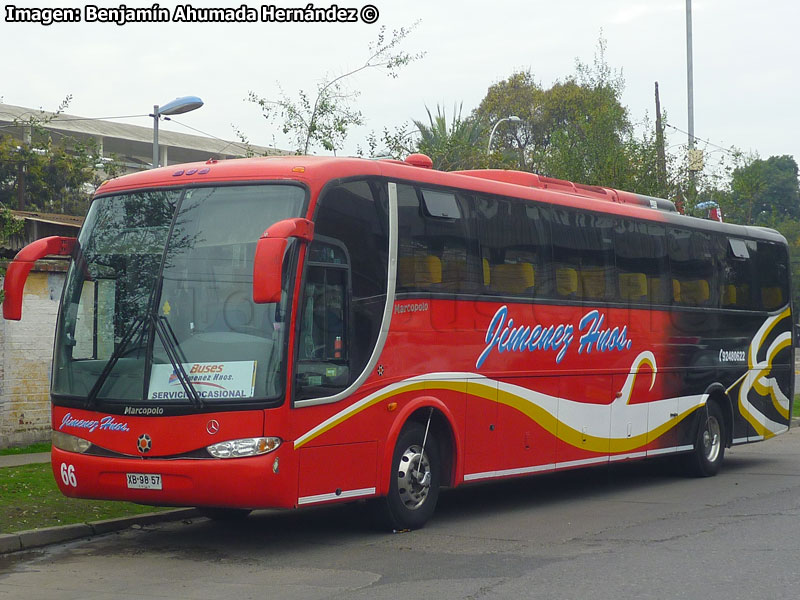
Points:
[(745, 63)]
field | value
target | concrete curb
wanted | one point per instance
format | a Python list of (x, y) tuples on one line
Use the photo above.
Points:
[(36, 538)]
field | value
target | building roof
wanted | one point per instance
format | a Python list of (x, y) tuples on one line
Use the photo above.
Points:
[(51, 218), (38, 225), (129, 141)]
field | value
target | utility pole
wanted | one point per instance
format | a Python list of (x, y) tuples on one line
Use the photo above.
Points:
[(694, 161), (661, 166), (21, 185), (689, 73)]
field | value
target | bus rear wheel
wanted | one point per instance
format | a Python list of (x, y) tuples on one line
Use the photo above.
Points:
[(415, 480), (709, 445)]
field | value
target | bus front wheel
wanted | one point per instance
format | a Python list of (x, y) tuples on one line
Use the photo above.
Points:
[(415, 479), (709, 445), (224, 514)]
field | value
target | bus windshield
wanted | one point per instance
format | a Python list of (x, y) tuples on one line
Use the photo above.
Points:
[(158, 306)]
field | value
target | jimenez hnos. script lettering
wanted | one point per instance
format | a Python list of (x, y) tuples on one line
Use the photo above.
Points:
[(502, 335)]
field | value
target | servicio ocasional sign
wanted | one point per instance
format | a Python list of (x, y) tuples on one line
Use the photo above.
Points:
[(212, 380)]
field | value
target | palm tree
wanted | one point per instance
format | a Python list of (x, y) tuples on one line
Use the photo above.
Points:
[(452, 147)]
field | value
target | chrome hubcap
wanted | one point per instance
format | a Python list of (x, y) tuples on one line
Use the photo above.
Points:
[(413, 477), (711, 439)]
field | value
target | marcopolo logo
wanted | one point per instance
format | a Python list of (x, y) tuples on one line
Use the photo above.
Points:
[(144, 411)]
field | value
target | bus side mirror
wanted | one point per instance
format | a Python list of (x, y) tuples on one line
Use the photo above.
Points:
[(18, 270), (268, 263)]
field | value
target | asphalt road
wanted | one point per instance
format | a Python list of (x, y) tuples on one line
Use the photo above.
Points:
[(631, 531)]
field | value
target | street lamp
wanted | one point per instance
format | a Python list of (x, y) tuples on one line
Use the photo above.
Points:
[(176, 107), (512, 119)]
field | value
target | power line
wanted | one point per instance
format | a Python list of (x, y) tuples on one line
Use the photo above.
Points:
[(710, 143), (98, 118), (60, 120), (56, 119), (227, 142)]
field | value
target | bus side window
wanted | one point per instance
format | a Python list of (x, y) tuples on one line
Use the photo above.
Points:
[(641, 260), (433, 253), (513, 238), (583, 244), (693, 263), (737, 272), (773, 277)]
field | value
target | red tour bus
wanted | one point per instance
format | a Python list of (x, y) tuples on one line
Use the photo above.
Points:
[(283, 332)]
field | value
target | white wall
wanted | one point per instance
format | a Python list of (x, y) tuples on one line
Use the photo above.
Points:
[(26, 352)]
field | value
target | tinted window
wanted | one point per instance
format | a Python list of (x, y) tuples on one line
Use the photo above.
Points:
[(514, 242), (771, 264), (692, 259), (737, 274), (642, 264), (434, 254), (583, 256)]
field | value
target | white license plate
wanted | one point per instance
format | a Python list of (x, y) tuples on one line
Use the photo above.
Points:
[(144, 481)]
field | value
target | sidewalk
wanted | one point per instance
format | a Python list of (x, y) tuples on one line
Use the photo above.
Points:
[(16, 460), (36, 538)]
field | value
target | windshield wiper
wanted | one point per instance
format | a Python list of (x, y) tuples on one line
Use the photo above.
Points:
[(172, 347)]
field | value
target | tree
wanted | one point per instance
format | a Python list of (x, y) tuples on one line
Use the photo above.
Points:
[(790, 229), (589, 126), (459, 145), (8, 226), (53, 178), (323, 118), (518, 146), (764, 190), (578, 129), (451, 147), (36, 173)]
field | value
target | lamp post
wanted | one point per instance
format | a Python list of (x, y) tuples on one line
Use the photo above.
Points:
[(176, 107), (512, 119)]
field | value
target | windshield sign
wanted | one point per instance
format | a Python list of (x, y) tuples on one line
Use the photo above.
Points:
[(211, 380)]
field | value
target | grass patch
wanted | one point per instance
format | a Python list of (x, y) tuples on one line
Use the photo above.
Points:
[(30, 499), (32, 449), (796, 407)]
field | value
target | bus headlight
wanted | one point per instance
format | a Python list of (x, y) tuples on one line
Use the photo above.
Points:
[(70, 443), (244, 447)]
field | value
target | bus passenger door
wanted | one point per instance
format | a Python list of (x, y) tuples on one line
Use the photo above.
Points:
[(528, 407), (480, 435), (662, 436), (585, 413), (641, 426)]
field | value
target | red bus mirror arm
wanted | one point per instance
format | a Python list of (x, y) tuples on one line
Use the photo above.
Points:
[(18, 270), (268, 263)]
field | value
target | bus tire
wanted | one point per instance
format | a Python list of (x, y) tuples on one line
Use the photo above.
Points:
[(414, 485), (224, 514), (705, 459)]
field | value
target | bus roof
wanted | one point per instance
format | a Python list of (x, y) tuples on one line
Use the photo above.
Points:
[(316, 171)]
